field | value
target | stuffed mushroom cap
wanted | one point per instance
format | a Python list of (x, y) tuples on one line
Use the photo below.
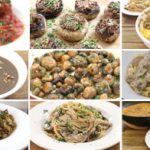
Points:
[(107, 30), (72, 27), (37, 25), (49, 8), (88, 8), (113, 10)]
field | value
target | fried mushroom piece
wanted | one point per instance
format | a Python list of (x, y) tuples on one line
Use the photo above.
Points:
[(37, 25), (72, 27), (113, 10), (49, 8), (88, 8), (107, 30)]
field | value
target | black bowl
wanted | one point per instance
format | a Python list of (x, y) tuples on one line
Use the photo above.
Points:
[(138, 121)]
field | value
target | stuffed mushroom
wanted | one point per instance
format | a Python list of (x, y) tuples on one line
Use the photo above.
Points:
[(107, 30), (72, 27), (37, 25), (49, 8), (88, 8), (113, 10)]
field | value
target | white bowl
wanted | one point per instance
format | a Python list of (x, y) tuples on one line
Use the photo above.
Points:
[(146, 41), (20, 65), (127, 91), (21, 10), (109, 110), (39, 53), (147, 139), (19, 139)]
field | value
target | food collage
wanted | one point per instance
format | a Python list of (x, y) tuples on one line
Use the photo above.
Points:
[(75, 74)]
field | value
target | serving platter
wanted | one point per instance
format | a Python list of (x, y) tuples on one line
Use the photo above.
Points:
[(40, 138), (21, 10), (19, 139), (69, 6)]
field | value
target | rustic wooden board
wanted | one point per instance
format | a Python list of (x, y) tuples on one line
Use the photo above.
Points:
[(134, 139), (35, 147), (130, 38)]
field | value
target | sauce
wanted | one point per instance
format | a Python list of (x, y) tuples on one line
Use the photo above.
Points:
[(138, 110), (11, 27), (8, 75)]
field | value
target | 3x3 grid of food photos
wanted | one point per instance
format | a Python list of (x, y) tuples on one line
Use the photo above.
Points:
[(74, 74)]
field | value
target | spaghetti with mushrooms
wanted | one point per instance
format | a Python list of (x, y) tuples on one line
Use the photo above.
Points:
[(76, 123)]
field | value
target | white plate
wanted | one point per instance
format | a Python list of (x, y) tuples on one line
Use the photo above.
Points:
[(19, 139), (39, 137), (127, 91), (39, 53), (147, 139), (127, 12), (21, 10), (20, 65)]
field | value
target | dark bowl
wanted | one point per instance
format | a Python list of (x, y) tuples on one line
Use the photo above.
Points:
[(138, 121)]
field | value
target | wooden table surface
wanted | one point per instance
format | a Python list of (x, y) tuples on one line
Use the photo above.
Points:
[(23, 92), (35, 147), (134, 139), (130, 38)]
